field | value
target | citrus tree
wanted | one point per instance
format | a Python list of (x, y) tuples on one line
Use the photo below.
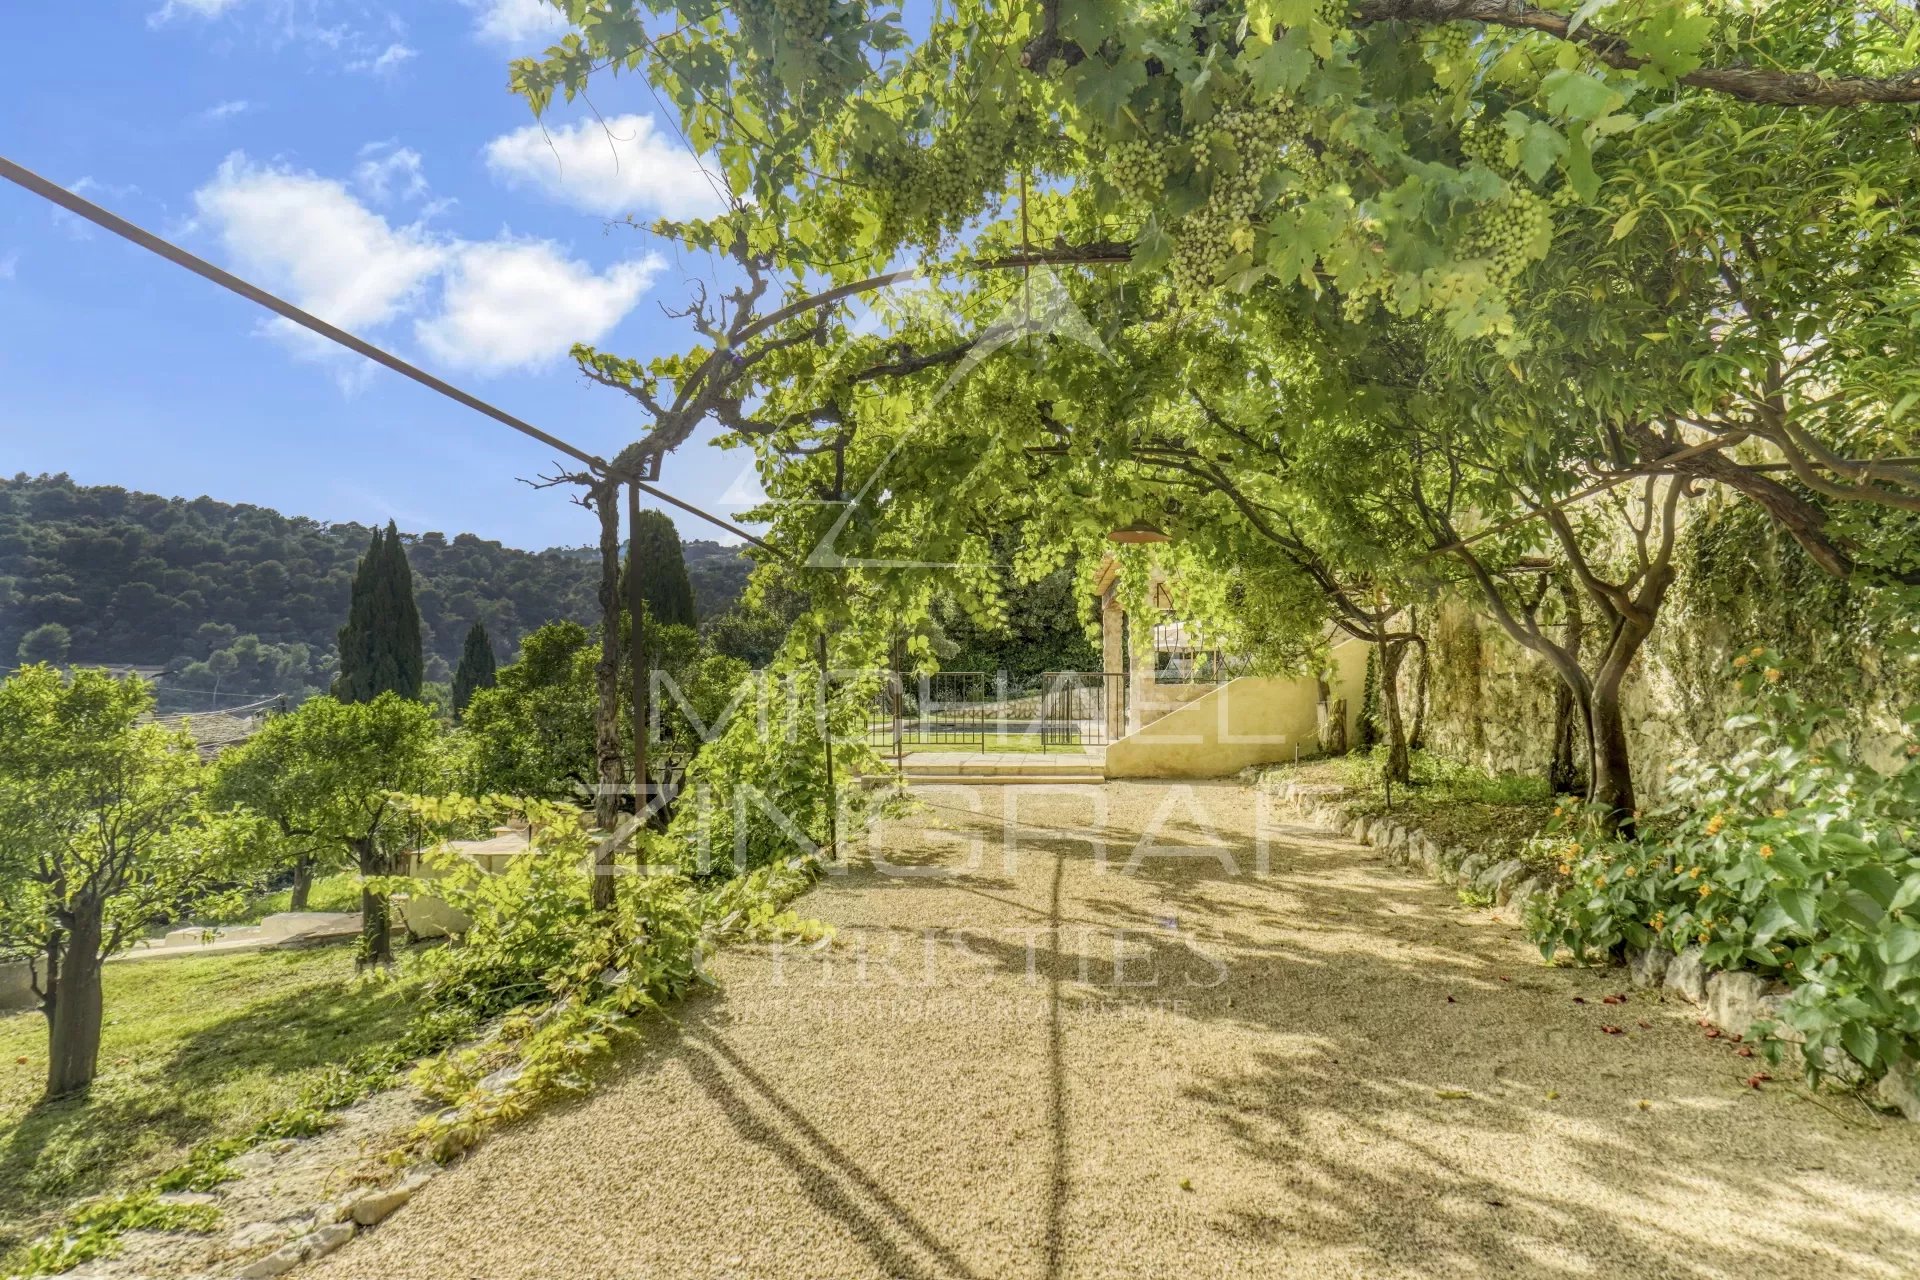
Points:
[(333, 773), (100, 837)]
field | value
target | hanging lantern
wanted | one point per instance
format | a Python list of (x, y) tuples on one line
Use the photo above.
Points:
[(1139, 531)]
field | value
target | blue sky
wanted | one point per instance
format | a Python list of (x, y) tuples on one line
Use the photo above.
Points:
[(366, 161)]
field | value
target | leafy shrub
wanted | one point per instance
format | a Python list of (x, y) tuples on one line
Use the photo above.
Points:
[(757, 794), (1792, 857), (565, 977)]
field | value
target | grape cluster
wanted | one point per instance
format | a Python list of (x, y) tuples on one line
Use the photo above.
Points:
[(1449, 51), (1138, 170), (924, 193), (1261, 139), (1487, 144), (1450, 42), (1511, 232), (805, 19)]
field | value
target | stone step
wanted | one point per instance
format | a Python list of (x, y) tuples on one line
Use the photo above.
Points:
[(1049, 769), (1004, 779)]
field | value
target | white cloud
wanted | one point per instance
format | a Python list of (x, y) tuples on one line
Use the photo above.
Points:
[(9, 265), (502, 305), (518, 24), (516, 304), (385, 167), (387, 61), (309, 237), (625, 166), (194, 8), (225, 110), (103, 193)]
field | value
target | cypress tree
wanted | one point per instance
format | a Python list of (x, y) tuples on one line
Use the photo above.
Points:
[(476, 669), (380, 645), (664, 584)]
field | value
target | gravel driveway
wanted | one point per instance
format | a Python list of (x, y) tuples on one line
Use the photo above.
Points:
[(1041, 1061)]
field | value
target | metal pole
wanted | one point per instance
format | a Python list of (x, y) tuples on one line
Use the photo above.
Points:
[(897, 693), (637, 690), (826, 738)]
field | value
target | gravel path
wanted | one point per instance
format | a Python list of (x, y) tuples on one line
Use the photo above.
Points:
[(1329, 1069)]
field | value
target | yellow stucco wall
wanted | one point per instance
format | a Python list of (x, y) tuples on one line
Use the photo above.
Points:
[(1248, 721)]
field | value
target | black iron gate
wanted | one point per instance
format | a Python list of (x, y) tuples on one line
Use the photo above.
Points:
[(937, 709), (1082, 708)]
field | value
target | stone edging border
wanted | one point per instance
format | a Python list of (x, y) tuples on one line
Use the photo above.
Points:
[(1732, 999)]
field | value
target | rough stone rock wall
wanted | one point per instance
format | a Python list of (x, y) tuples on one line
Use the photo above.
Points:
[(1491, 701)]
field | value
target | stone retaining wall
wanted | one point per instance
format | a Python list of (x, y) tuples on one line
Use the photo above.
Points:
[(1732, 999)]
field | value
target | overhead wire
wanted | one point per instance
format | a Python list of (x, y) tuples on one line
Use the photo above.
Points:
[(81, 207)]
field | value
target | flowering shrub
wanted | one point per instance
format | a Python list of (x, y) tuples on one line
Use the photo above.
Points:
[(1793, 858)]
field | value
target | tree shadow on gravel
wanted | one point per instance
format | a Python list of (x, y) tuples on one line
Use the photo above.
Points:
[(1419, 1028)]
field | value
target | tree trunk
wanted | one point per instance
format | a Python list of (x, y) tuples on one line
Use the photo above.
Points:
[(606, 679), (376, 939), (1417, 738), (1612, 791), (1572, 730), (302, 883), (1333, 727), (74, 1022), (1399, 760)]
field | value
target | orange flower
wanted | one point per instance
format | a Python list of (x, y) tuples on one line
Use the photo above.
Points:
[(1742, 660), (1705, 889), (1779, 813), (1757, 650), (1715, 823), (1775, 675), (1766, 851), (1566, 868), (1633, 871)]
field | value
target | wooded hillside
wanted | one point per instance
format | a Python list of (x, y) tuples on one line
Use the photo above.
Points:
[(246, 600)]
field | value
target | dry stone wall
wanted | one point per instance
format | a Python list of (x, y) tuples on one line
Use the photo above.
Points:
[(1490, 701)]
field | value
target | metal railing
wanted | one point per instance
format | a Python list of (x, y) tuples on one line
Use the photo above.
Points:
[(962, 710), (1082, 708)]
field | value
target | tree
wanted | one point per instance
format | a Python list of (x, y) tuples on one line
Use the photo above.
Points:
[(532, 733), (99, 837), (333, 773), (476, 669), (380, 644), (1239, 143), (663, 572), (48, 642)]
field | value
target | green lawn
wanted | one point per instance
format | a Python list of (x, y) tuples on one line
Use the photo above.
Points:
[(337, 892), (195, 1047)]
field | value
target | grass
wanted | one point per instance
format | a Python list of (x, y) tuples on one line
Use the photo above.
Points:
[(193, 1048), (337, 892), (1453, 803)]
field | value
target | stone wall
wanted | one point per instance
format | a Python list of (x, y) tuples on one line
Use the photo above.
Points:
[(1490, 701)]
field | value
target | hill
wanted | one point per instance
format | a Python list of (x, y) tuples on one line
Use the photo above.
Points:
[(235, 600)]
